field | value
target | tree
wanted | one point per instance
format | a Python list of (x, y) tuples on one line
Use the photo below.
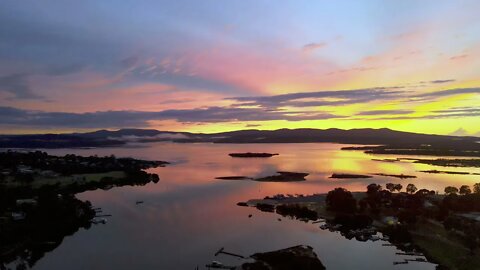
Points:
[(451, 190), (423, 192), (373, 188), (341, 200), (391, 187), (465, 190), (394, 187), (411, 188), (476, 188), (374, 196)]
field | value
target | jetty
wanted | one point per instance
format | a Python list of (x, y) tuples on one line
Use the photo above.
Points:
[(222, 251)]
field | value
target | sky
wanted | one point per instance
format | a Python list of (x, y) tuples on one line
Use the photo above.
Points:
[(211, 65)]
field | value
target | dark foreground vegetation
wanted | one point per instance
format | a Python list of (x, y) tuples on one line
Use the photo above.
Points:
[(31, 228), (38, 207), (416, 221), (443, 228)]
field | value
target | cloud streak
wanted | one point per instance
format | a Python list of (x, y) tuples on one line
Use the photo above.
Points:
[(450, 92), (323, 98), (385, 112), (442, 81), (16, 85), (121, 119), (313, 46), (291, 107)]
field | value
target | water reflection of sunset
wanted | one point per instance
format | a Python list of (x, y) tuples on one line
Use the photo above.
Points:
[(197, 165), (188, 207)]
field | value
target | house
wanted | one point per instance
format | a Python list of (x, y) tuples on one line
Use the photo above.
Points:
[(24, 169), (18, 216), (48, 174), (21, 202), (390, 220), (79, 179)]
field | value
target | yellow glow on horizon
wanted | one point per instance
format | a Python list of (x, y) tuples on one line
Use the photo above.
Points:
[(440, 104)]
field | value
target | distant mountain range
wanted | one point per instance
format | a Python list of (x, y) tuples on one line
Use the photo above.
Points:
[(367, 136)]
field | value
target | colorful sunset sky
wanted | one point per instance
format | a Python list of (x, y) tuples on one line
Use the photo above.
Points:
[(212, 66)]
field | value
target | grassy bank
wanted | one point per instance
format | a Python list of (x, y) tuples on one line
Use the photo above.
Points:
[(443, 247), (63, 181)]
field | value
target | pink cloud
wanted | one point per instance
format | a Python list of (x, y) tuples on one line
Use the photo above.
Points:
[(458, 57), (313, 46), (259, 71)]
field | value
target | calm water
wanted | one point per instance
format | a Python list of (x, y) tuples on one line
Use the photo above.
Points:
[(189, 215)]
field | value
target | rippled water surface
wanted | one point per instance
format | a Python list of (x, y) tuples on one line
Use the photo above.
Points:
[(188, 215)]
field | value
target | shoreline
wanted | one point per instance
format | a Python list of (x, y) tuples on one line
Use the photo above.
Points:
[(428, 236)]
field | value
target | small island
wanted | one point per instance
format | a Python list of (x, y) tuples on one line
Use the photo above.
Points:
[(401, 176), (281, 176), (346, 176), (284, 177), (252, 155), (234, 177)]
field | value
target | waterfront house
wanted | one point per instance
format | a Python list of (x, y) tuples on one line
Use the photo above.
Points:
[(24, 169), (18, 215), (21, 202), (390, 220)]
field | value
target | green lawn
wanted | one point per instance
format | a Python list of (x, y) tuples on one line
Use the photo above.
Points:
[(67, 180), (444, 247)]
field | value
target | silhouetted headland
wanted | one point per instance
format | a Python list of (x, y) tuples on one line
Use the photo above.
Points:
[(450, 162), (30, 171), (445, 172), (37, 204), (384, 141)]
